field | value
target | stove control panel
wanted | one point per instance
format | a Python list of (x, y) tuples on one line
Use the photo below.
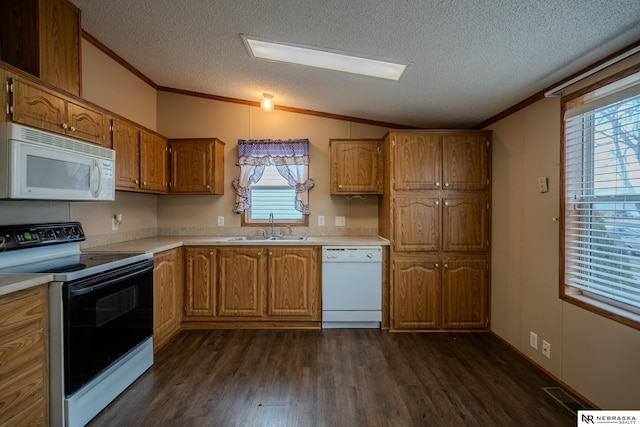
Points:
[(33, 235)]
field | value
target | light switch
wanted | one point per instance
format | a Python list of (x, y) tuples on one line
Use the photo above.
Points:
[(543, 184), (321, 221)]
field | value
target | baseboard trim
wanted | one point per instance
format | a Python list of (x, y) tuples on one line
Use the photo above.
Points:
[(540, 367)]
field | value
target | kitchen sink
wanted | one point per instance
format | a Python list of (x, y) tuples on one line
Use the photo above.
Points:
[(242, 238), (268, 238), (291, 238)]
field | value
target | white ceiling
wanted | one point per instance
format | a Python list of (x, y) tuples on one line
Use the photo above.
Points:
[(470, 59)]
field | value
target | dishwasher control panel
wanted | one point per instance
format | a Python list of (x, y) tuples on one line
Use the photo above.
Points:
[(352, 254)]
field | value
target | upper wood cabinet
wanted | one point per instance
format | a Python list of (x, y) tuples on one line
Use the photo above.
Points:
[(465, 161), (154, 162), (167, 296), (42, 38), (141, 159), (197, 166), (24, 361), (356, 166), (125, 138), (433, 161), (416, 161), (33, 105), (465, 224)]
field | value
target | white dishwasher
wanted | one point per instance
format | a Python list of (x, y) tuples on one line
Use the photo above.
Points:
[(351, 286)]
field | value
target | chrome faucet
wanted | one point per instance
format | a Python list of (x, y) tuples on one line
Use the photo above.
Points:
[(273, 229)]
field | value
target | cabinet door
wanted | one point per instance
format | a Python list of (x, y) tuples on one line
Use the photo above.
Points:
[(465, 224), (86, 123), (197, 166), (416, 164), (465, 162), (293, 282), (60, 44), (154, 163), (199, 276), (33, 106), (24, 361), (356, 166), (126, 145), (241, 281), (166, 295), (416, 224), (416, 294), (465, 287)]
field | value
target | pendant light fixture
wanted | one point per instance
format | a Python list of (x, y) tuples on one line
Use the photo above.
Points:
[(267, 104)]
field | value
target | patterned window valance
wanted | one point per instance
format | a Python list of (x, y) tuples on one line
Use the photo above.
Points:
[(291, 159), (270, 152)]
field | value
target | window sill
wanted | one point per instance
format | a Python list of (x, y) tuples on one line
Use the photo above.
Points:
[(603, 309)]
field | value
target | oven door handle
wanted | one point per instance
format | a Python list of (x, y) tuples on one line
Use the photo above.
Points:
[(88, 288)]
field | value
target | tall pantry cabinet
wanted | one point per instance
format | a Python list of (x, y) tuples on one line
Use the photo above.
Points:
[(436, 212)]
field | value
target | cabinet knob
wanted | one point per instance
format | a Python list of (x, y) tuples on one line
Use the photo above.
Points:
[(446, 203), (270, 253), (208, 187), (437, 203), (65, 126), (144, 182), (73, 129), (438, 184), (210, 253), (446, 266), (446, 184), (339, 185), (136, 181), (259, 253), (437, 265)]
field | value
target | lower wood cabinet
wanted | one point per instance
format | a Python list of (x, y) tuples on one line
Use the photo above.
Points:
[(167, 281), (439, 294), (252, 283), (24, 358)]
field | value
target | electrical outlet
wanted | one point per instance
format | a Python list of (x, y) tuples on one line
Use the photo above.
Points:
[(220, 221), (546, 349), (543, 184), (533, 339), (321, 221), (340, 221)]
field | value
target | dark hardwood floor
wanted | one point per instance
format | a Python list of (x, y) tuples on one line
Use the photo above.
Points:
[(339, 377)]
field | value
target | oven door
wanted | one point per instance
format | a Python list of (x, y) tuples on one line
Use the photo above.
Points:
[(105, 316)]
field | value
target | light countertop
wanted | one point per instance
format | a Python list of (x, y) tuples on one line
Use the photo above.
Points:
[(163, 243), (15, 282), (10, 283)]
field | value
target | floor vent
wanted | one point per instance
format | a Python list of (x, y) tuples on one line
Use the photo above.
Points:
[(564, 398)]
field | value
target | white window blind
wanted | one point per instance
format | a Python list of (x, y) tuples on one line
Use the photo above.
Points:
[(602, 205), (272, 194)]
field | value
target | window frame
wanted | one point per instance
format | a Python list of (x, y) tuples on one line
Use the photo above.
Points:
[(246, 220), (597, 305)]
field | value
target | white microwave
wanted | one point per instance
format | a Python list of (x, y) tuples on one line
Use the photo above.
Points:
[(40, 165)]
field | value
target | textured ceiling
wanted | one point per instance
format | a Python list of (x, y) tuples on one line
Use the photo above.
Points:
[(470, 59)]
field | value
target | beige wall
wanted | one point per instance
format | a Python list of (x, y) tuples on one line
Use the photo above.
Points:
[(181, 116), (111, 86), (595, 356)]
